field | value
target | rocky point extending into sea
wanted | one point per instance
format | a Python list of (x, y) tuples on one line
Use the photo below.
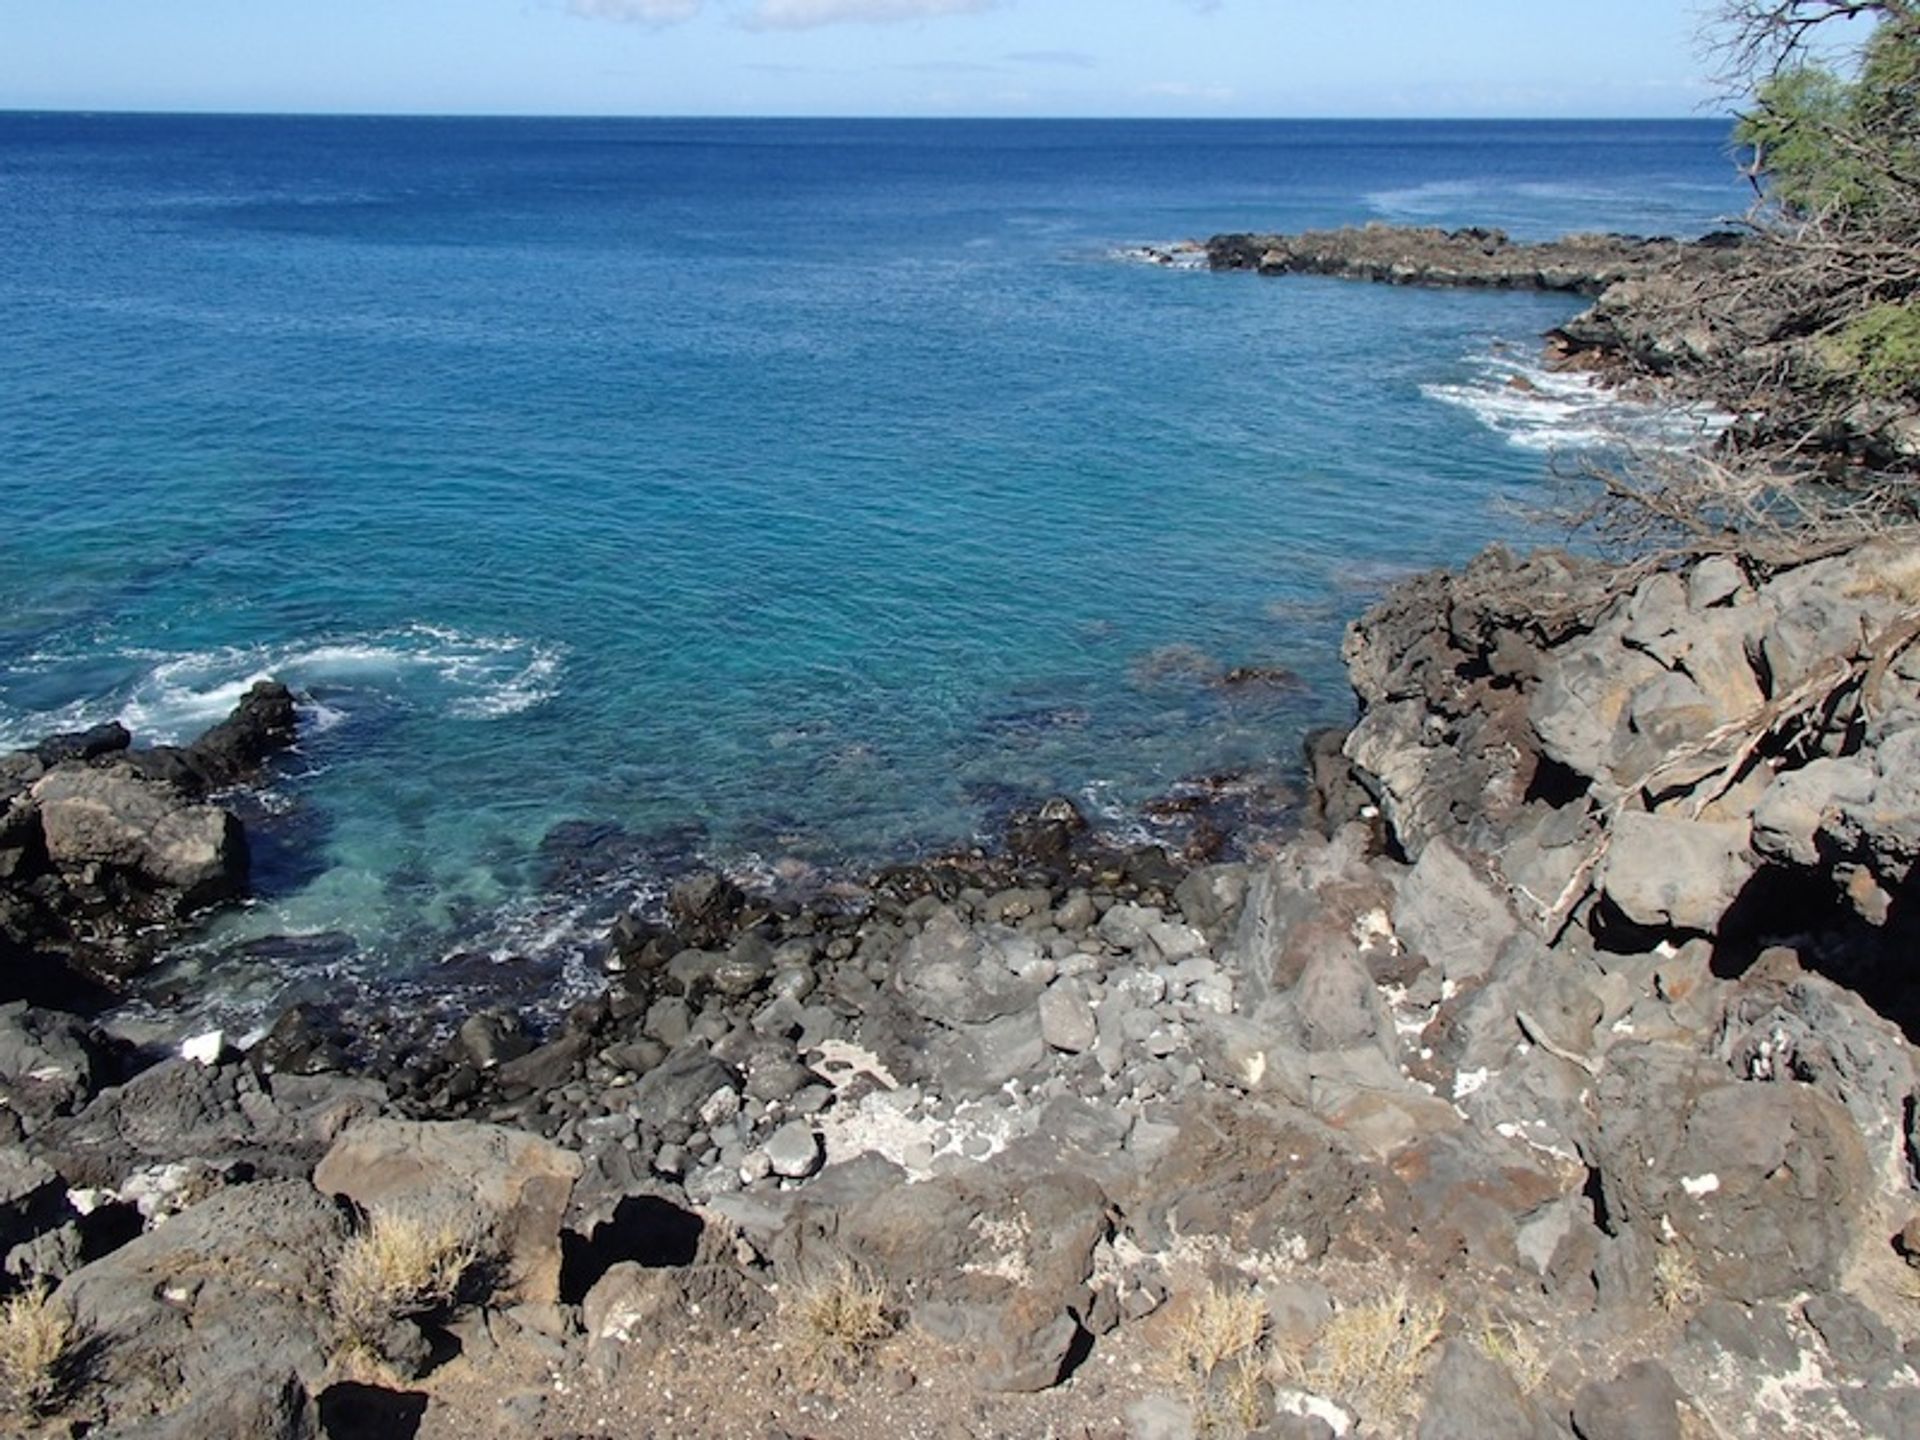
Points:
[(1556, 1079)]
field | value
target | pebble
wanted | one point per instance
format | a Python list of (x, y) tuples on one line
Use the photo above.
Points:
[(720, 1107), (1076, 912), (793, 1151), (1143, 987), (791, 982), (1137, 1025), (1177, 941), (1066, 1019), (669, 1020)]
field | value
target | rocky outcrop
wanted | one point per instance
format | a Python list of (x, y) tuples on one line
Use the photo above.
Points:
[(105, 851), (1425, 255), (1668, 753), (511, 1187), (112, 820), (224, 1302), (1572, 1057)]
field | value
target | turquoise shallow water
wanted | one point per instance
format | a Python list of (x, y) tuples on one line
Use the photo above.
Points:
[(765, 489)]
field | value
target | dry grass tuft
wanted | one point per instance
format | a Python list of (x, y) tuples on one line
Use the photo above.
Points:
[(1517, 1348), (1372, 1356), (1218, 1326), (1214, 1353), (1676, 1281), (402, 1263), (36, 1348), (831, 1321)]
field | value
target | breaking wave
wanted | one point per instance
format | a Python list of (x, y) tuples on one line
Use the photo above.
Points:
[(167, 697), (1539, 409)]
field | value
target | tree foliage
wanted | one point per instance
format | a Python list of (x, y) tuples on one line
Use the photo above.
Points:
[(1838, 158), (1879, 350), (1827, 146)]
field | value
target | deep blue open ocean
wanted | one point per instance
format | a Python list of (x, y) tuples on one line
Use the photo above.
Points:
[(777, 491)]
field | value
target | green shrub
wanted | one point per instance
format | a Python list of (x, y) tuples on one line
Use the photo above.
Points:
[(1879, 350)]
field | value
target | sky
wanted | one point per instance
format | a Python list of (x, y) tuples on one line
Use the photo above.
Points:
[(1148, 58)]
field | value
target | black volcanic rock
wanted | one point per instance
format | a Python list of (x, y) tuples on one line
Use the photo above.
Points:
[(261, 725), (1473, 257), (106, 851)]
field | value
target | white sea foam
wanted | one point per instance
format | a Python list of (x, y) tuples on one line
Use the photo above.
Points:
[(24, 728), (1557, 410), (1425, 201), (1181, 255), (174, 696)]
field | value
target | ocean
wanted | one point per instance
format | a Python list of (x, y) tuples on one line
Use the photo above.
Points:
[(788, 495)]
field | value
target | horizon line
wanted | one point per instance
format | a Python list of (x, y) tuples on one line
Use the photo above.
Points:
[(222, 114)]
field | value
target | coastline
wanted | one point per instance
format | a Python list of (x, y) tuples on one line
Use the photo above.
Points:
[(1561, 980)]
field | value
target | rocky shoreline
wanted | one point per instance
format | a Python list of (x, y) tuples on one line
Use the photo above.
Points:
[(1472, 257), (1557, 1079)]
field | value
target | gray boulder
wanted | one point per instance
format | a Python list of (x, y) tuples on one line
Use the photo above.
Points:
[(269, 1404), (1211, 896), (1640, 1403), (1316, 896), (952, 974), (975, 1059), (676, 1089), (1665, 872), (50, 1062), (228, 1291), (1452, 913), (32, 1198), (1802, 806), (648, 1308), (113, 817), (1805, 1030), (794, 1150), (1066, 1018), (997, 1262), (180, 1110), (1259, 1177), (1761, 1186), (515, 1186), (1474, 1397)]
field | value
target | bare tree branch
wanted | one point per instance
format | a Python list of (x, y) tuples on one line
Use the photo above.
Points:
[(1751, 40)]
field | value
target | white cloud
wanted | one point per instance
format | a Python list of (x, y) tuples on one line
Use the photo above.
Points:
[(805, 14), (640, 12)]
